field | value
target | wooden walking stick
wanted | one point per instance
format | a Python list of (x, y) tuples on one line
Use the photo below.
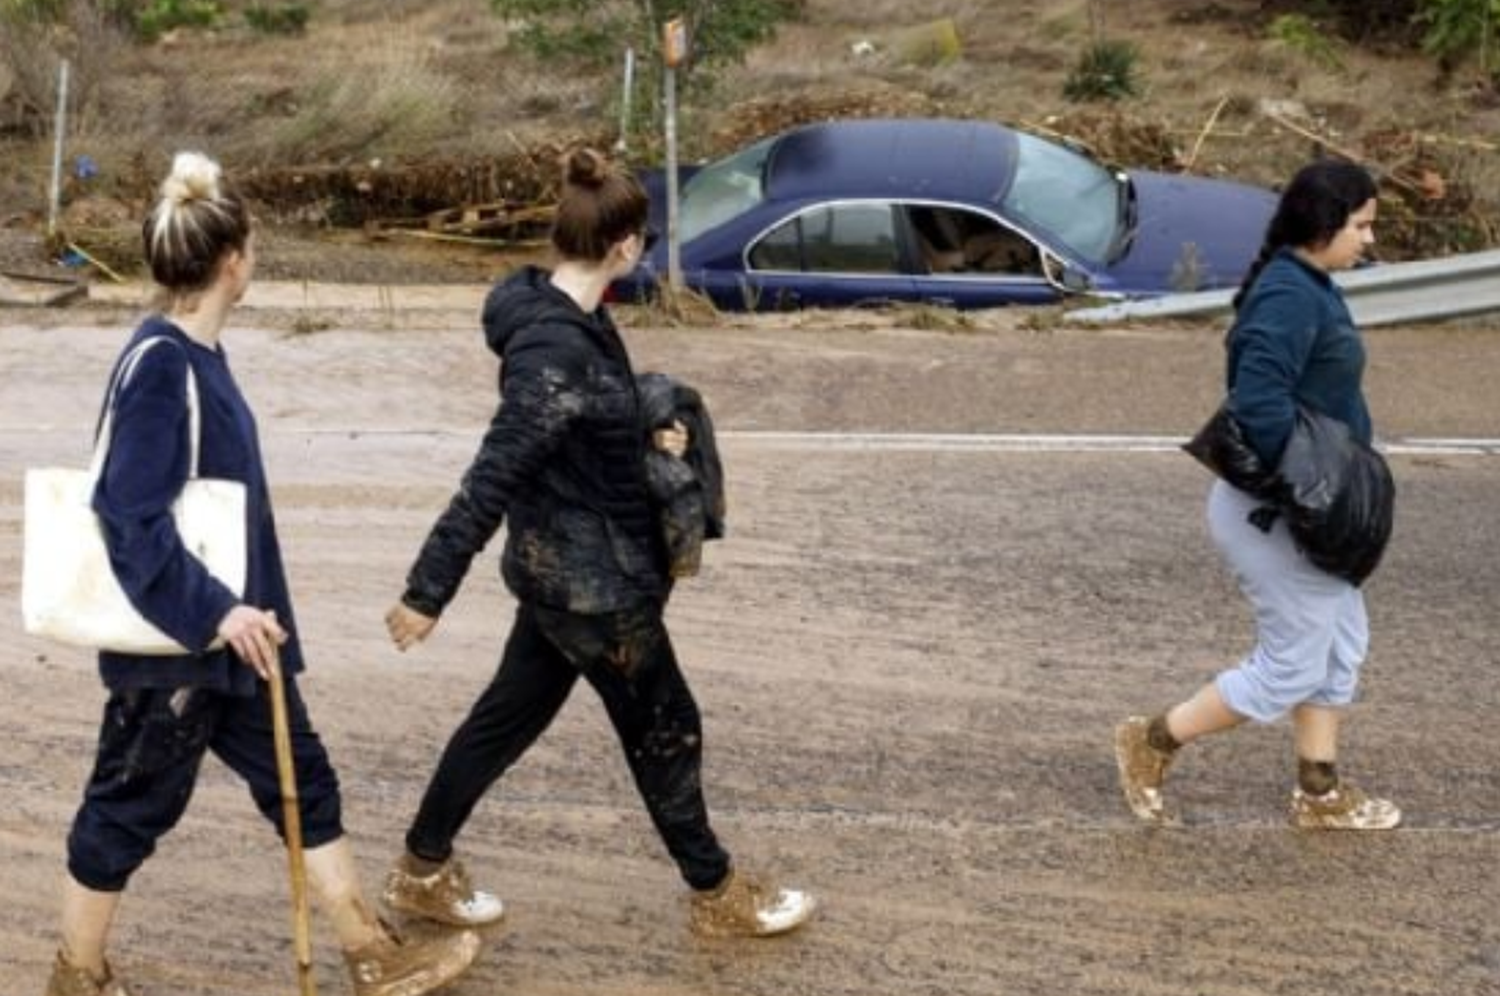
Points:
[(292, 818)]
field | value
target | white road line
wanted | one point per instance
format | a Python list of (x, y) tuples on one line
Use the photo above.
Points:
[(951, 442), (1053, 443)]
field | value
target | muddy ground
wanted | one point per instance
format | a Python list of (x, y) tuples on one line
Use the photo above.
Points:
[(909, 660)]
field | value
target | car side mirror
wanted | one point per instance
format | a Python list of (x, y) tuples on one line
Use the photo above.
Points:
[(1064, 277)]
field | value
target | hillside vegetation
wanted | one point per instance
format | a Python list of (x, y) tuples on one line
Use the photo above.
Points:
[(362, 113)]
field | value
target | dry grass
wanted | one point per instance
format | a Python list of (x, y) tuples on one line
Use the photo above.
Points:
[(930, 318), (29, 60), (378, 108)]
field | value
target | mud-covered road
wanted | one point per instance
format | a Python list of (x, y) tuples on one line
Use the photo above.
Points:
[(909, 659)]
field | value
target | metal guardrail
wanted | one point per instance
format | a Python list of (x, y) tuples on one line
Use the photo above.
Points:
[(1385, 294)]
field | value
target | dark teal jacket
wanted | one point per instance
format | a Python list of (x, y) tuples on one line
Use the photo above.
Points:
[(1294, 341)]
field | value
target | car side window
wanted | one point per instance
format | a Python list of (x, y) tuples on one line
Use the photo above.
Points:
[(850, 238), (952, 240), (781, 249), (840, 238)]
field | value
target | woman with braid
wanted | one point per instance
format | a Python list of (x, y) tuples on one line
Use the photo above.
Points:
[(1293, 343)]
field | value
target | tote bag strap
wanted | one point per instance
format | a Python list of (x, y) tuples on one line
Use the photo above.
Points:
[(122, 376)]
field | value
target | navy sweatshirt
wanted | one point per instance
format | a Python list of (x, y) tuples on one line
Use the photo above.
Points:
[(1293, 342), (144, 473)]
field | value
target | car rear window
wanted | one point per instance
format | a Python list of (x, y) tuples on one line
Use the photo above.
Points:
[(723, 190), (1067, 194)]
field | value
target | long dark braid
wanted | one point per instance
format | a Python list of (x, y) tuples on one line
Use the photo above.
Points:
[(1315, 205)]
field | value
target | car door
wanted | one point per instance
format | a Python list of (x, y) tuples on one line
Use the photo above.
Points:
[(842, 254)]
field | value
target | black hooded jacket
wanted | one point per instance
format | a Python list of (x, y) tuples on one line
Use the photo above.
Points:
[(563, 461)]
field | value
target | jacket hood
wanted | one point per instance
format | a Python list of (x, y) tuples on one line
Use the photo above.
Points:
[(526, 299)]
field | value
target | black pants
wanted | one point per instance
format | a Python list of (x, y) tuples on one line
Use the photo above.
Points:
[(151, 746), (628, 659)]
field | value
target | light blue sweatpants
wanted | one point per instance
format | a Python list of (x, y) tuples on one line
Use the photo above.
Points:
[(1311, 629)]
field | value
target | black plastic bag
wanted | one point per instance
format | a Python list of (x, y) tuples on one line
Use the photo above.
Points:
[(1338, 497), (1221, 447), (1337, 494)]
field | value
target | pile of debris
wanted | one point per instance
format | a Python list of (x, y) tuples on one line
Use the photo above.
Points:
[(1111, 136), (1428, 205), (1428, 183), (502, 197)]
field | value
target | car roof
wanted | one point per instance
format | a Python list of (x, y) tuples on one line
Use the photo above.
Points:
[(910, 158)]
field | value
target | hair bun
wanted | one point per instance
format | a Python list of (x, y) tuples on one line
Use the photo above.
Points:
[(586, 168), (194, 177)]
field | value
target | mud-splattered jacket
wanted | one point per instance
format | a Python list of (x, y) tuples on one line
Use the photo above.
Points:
[(563, 462)]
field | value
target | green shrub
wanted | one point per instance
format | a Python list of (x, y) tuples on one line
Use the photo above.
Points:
[(1458, 28), (278, 18), (1106, 71), (157, 17), (595, 34), (597, 31), (31, 11), (1300, 34)]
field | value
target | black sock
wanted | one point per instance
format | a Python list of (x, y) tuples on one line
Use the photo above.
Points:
[(1317, 777), (1159, 737), (414, 864)]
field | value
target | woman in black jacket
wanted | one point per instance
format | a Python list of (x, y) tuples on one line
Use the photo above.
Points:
[(564, 462)]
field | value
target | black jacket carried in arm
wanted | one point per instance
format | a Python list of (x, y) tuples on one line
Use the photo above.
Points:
[(563, 460), (688, 491)]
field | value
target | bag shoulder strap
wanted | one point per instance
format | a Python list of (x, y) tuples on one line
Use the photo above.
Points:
[(122, 376)]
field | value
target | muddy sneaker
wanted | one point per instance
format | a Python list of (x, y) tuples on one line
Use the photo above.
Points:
[(1143, 768), (394, 966), (1343, 808), (446, 896), (744, 906), (70, 980)]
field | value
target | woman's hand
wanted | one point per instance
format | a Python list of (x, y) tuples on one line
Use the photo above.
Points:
[(254, 634), (673, 440), (407, 626)]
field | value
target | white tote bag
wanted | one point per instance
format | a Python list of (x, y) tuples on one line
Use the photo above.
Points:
[(68, 589)]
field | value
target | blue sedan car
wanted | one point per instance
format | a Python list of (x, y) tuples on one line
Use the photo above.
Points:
[(968, 214)]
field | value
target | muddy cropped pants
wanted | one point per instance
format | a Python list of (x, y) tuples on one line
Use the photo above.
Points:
[(151, 746), (627, 657), (1311, 629)]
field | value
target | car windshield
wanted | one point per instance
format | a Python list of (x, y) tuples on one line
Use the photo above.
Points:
[(1067, 194), (722, 190)]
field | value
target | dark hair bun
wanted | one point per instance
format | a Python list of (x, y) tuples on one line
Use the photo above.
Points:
[(586, 168)]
